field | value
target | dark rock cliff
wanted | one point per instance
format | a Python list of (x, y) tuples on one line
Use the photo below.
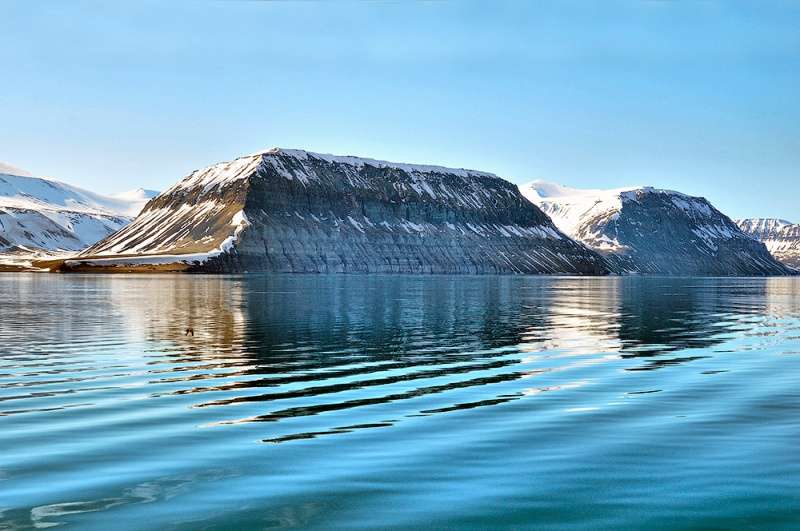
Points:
[(295, 211), (651, 231)]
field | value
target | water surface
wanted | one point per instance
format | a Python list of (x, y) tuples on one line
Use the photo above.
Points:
[(346, 402)]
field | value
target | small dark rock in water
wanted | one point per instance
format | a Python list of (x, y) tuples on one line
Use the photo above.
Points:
[(190, 332)]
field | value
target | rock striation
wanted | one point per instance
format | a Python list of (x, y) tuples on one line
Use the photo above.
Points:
[(650, 231), (285, 210), (781, 237)]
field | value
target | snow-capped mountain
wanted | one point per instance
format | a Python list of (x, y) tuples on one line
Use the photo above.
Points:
[(297, 211), (781, 237), (647, 230), (41, 216)]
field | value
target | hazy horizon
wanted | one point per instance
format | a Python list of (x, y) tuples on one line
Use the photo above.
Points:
[(699, 98)]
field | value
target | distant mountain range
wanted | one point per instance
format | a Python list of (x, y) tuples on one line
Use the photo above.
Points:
[(284, 210), (651, 231), (45, 217), (781, 237)]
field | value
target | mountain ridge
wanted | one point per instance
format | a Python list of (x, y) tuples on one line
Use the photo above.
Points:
[(649, 230), (300, 211), (781, 237)]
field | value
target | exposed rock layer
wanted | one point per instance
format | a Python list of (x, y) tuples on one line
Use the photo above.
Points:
[(781, 237), (295, 211), (651, 231)]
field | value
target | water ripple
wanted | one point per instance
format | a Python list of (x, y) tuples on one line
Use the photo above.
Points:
[(372, 390)]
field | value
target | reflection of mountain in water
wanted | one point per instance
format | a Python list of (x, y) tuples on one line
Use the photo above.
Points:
[(665, 315), (292, 348), (385, 316), (661, 316), (512, 379), (158, 309), (582, 317)]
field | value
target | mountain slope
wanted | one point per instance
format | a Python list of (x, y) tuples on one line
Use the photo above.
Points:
[(295, 211), (781, 237), (652, 231), (40, 216)]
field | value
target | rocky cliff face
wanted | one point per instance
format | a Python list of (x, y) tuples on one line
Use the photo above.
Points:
[(296, 211), (651, 231), (781, 237)]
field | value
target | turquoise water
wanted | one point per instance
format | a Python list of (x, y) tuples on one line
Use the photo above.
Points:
[(347, 402)]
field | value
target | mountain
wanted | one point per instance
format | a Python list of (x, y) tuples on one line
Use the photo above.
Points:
[(781, 237), (652, 231), (288, 210), (41, 216)]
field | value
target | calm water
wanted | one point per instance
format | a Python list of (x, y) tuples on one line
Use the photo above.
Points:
[(398, 402)]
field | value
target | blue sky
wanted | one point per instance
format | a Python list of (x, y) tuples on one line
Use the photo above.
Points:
[(702, 97)]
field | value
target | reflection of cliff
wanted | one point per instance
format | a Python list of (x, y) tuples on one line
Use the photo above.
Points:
[(582, 316), (290, 328), (330, 344), (782, 297), (159, 308), (319, 321), (380, 317), (317, 355), (662, 315), (57, 308), (279, 318), (652, 317)]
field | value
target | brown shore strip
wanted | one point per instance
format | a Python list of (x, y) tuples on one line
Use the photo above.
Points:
[(84, 265), (11, 268)]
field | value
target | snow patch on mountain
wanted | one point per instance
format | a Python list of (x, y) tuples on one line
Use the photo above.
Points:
[(300, 165), (360, 162), (239, 221), (568, 207), (763, 227)]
